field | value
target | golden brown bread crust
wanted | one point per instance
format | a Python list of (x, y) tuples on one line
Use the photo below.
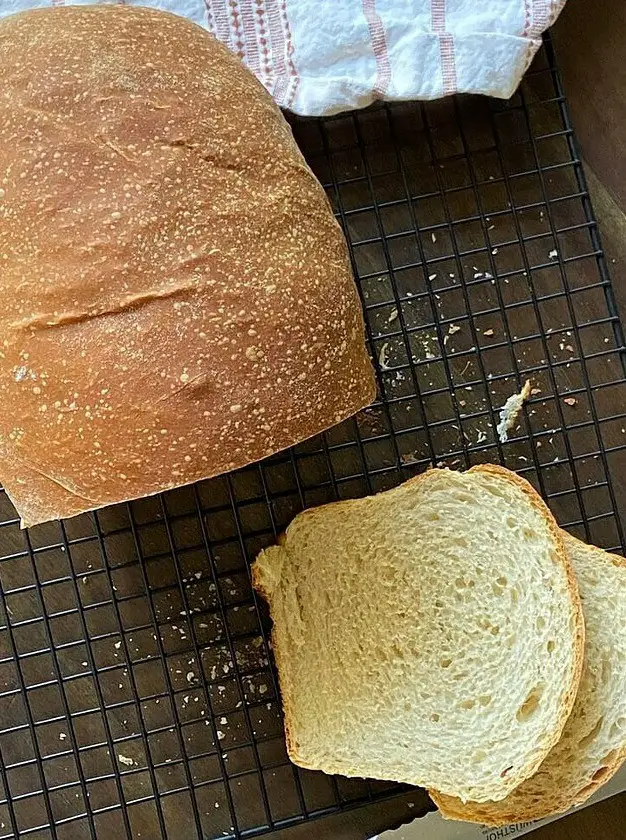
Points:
[(177, 296)]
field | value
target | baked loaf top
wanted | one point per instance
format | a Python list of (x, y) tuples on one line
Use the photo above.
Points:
[(177, 296)]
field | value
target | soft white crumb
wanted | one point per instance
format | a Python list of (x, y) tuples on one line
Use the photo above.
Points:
[(383, 358), (510, 411)]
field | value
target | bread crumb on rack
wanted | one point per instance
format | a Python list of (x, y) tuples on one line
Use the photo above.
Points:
[(510, 411)]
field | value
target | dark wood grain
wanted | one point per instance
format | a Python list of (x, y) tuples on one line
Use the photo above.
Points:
[(590, 42), (136, 572)]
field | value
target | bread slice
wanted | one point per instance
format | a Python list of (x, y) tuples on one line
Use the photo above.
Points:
[(431, 634), (593, 744)]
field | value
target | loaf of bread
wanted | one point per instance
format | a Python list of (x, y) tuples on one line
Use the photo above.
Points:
[(593, 745), (433, 631), (177, 299)]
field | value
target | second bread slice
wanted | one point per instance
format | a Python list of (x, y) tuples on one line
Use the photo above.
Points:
[(593, 744), (431, 634)]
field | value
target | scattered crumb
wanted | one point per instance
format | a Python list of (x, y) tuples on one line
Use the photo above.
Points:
[(569, 348), (481, 436), (409, 458), (190, 676), (570, 401), (117, 645), (553, 254), (433, 237), (510, 411), (535, 391), (392, 317), (62, 736), (432, 276), (453, 328), (383, 358), (488, 332), (494, 251), (123, 759)]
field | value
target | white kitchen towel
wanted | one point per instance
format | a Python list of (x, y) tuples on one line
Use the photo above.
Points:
[(319, 57)]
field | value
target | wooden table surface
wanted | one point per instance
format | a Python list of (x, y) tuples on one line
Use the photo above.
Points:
[(589, 48)]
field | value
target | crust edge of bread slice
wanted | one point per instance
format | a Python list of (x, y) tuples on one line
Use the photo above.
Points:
[(260, 583), (556, 801)]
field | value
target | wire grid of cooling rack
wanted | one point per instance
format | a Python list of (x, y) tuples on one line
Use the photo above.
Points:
[(480, 266)]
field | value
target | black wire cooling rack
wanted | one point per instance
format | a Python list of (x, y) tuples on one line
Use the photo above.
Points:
[(137, 698)]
